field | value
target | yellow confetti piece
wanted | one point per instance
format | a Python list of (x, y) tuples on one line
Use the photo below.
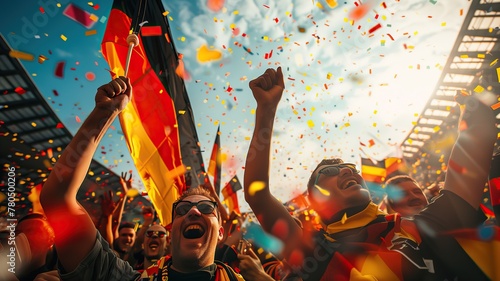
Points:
[(64, 38), (255, 187), (205, 54), (235, 221), (21, 55), (344, 218), (165, 13), (478, 89), (331, 3), (481, 56), (310, 123), (247, 138), (322, 190), (132, 193), (93, 18), (437, 128), (498, 74), (493, 63), (443, 24), (329, 75), (260, 251)]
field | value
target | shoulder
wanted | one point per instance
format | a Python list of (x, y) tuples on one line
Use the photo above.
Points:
[(227, 273)]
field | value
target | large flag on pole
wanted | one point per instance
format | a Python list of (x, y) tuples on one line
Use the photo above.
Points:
[(158, 123), (214, 166), (230, 196)]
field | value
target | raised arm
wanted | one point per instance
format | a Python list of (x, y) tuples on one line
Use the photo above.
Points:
[(470, 158), (73, 227), (267, 90)]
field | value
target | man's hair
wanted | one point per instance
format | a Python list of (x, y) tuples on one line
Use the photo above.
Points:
[(126, 225), (312, 178), (199, 190)]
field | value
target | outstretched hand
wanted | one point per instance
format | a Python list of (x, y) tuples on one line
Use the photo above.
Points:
[(126, 183), (115, 95), (268, 88)]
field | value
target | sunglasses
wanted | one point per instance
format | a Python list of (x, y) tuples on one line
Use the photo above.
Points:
[(151, 233), (333, 170), (204, 206)]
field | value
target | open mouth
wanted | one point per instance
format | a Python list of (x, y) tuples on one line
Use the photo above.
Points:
[(153, 246), (193, 231), (349, 183)]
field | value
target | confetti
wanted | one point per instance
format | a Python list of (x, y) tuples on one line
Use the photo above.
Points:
[(90, 76), (331, 3), (21, 55), (90, 32), (373, 29), (20, 90), (59, 72), (256, 187), (215, 5), (42, 58), (204, 54), (322, 190), (359, 12), (79, 15)]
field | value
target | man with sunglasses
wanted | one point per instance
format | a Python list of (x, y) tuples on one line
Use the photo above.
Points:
[(358, 241), (154, 247), (82, 251)]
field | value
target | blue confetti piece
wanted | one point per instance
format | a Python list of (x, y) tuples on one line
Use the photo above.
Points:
[(259, 237)]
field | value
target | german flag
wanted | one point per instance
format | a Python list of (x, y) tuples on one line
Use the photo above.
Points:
[(158, 122), (373, 171), (230, 196), (214, 167)]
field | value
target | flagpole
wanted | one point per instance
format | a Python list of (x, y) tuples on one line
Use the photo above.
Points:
[(132, 41)]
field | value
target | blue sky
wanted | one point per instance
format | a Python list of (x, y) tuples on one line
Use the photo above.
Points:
[(345, 85)]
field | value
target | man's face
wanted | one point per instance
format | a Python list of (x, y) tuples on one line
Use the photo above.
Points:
[(338, 188), (126, 238), (195, 235), (155, 241), (407, 198)]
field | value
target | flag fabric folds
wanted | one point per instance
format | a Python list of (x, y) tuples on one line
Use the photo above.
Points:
[(214, 166), (158, 124), (380, 171), (230, 196)]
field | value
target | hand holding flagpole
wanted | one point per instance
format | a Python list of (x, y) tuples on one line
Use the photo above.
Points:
[(132, 41)]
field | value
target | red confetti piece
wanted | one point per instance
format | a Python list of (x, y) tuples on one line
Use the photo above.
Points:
[(268, 55), (215, 5), (78, 119), (266, 6), (20, 90), (229, 89), (59, 125), (390, 36), (359, 12), (96, 7), (151, 31), (90, 76), (373, 29), (79, 15), (276, 20), (384, 5), (59, 69), (55, 93), (49, 152), (42, 10)]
